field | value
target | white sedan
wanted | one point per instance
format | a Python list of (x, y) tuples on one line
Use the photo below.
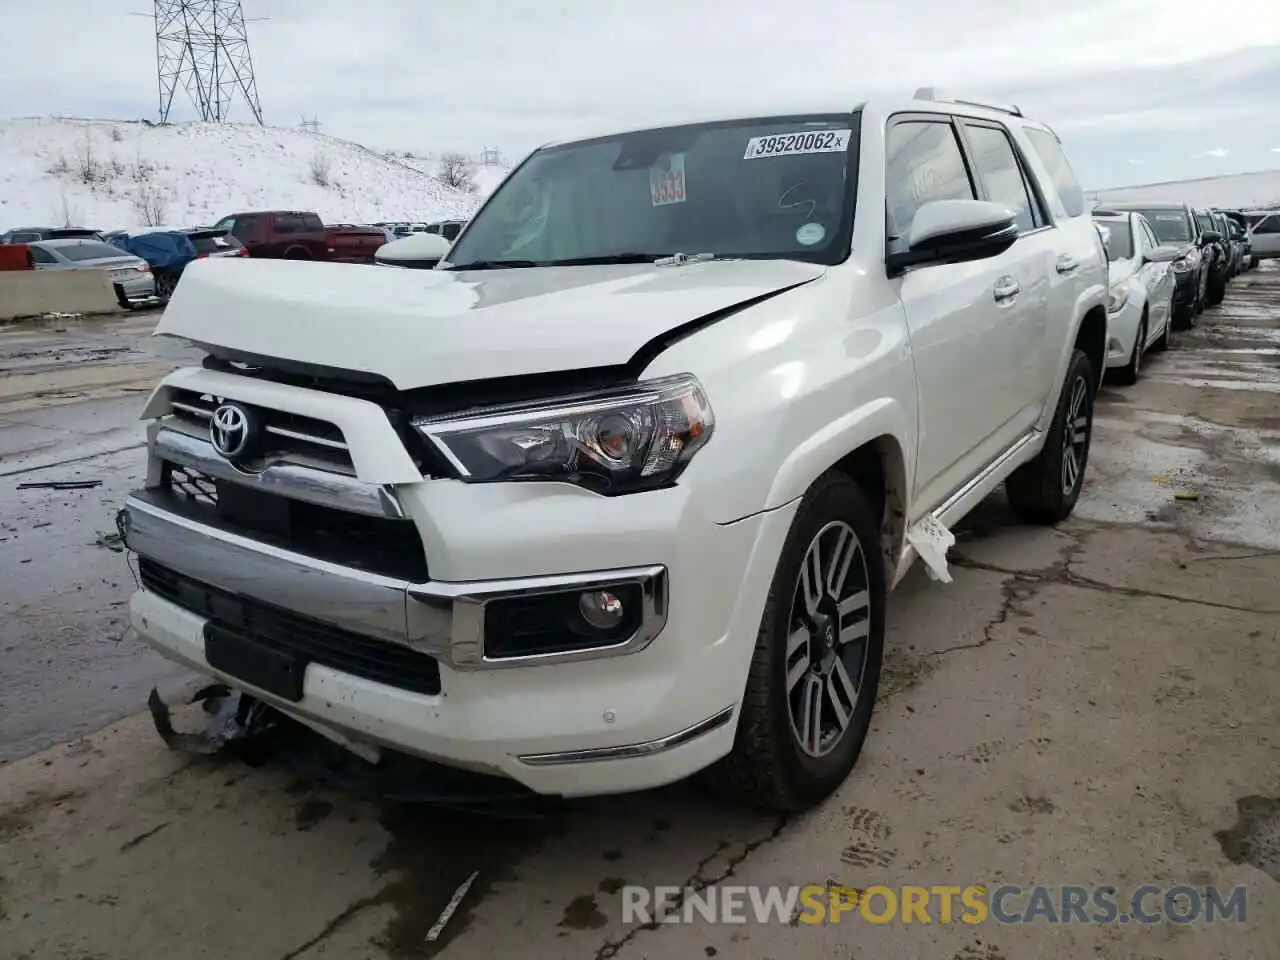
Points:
[(1140, 308)]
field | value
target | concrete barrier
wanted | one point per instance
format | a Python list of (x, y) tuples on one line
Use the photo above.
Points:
[(32, 293)]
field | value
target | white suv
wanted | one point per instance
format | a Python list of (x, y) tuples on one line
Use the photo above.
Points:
[(617, 492)]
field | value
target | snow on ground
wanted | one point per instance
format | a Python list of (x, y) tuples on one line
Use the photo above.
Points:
[(1242, 190), (488, 178), (120, 174)]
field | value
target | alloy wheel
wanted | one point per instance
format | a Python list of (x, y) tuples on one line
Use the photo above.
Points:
[(1075, 435), (828, 639)]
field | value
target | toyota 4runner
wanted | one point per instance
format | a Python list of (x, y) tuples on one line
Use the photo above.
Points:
[(618, 491)]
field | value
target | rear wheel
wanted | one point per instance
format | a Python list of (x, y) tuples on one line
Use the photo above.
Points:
[(166, 282), (812, 683), (1046, 489)]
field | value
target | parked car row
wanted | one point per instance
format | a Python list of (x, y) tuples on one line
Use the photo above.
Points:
[(1168, 261)]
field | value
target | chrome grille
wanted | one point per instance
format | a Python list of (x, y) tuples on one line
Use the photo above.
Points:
[(290, 433)]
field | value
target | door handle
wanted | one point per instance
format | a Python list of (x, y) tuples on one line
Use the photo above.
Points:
[(1006, 289), (1067, 264)]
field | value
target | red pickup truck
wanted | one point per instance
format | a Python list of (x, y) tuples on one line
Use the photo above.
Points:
[(300, 235)]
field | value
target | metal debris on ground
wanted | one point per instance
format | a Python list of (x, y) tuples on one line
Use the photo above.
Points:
[(437, 928), (60, 485), (1186, 495), (256, 733), (111, 541)]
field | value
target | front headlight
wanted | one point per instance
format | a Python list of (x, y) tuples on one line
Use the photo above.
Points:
[(1182, 266), (620, 441), (1119, 297)]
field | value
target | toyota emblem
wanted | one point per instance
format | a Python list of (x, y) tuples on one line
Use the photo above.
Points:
[(230, 430)]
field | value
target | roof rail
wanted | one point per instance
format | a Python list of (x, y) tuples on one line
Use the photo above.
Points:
[(933, 93)]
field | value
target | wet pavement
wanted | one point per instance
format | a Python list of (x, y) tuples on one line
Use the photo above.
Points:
[(69, 403), (1092, 704)]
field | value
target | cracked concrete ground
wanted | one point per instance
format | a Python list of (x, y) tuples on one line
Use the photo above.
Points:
[(1092, 704)]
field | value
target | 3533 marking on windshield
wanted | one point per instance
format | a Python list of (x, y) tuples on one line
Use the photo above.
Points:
[(789, 144), (666, 185)]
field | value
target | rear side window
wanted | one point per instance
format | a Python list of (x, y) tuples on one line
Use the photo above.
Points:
[(924, 163), (41, 255), (1064, 179), (1269, 224), (1001, 175), (289, 223), (450, 231)]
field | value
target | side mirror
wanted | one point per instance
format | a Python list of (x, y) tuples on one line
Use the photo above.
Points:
[(956, 231), (418, 251), (1211, 236), (1161, 255)]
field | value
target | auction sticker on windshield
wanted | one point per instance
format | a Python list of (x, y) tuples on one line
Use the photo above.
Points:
[(806, 141), (666, 181)]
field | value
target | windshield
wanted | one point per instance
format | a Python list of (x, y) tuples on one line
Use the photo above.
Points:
[(89, 250), (1171, 226), (778, 187), (1119, 238)]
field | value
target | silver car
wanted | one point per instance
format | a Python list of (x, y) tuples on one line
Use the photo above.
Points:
[(129, 274), (1264, 234)]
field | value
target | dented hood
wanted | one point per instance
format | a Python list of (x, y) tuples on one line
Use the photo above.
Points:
[(422, 327)]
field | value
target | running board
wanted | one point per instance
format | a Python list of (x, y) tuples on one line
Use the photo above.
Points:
[(929, 538)]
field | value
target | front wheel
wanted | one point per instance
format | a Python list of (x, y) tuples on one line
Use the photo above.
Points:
[(1165, 339), (1045, 490), (812, 684), (166, 283), (1131, 372)]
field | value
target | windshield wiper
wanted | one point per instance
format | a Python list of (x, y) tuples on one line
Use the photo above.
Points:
[(605, 259), (680, 259), (493, 265)]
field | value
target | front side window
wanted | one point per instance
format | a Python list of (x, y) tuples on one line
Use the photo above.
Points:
[(773, 188), (1119, 239), (1171, 226), (1149, 234), (1064, 180), (924, 163), (40, 255), (998, 169), (1269, 224), (1205, 221)]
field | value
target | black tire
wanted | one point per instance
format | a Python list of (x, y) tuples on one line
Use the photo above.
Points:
[(1184, 317), (297, 253), (768, 766), (166, 282), (1131, 372), (1037, 491), (1217, 291)]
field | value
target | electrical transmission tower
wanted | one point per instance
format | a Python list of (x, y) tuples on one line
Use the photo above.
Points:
[(202, 45)]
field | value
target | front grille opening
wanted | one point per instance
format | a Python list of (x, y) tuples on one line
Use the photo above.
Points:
[(191, 484), (287, 632), (551, 623), (381, 545)]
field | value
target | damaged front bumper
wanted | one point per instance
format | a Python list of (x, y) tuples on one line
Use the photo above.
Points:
[(403, 665)]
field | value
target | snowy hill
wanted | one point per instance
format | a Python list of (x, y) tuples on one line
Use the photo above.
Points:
[(116, 174), (1241, 190)]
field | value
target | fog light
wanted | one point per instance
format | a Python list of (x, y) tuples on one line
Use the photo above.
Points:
[(601, 609)]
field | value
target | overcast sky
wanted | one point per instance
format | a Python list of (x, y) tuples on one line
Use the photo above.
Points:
[(1140, 90)]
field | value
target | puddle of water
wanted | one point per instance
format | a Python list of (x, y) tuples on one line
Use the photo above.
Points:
[(1138, 466), (1255, 838)]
